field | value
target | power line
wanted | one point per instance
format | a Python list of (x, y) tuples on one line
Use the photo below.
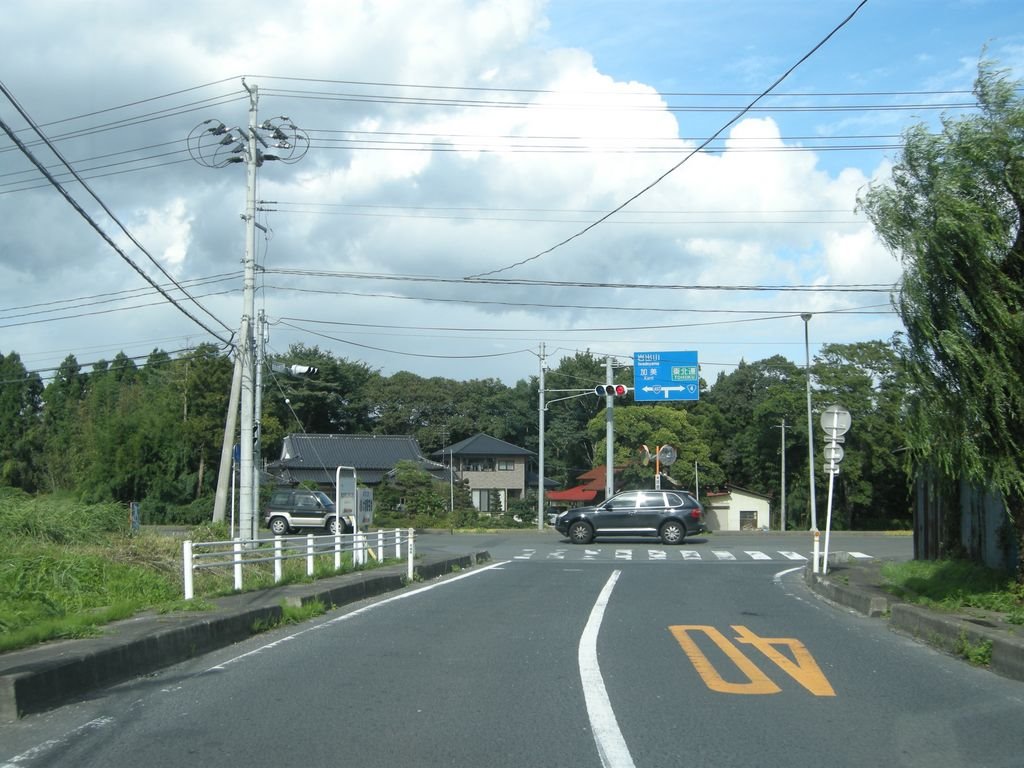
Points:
[(665, 175), (28, 153)]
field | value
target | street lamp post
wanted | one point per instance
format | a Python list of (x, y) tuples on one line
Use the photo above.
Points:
[(806, 317)]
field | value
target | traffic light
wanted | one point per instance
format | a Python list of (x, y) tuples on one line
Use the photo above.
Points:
[(613, 390)]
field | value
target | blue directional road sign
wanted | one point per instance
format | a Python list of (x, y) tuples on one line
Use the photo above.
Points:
[(665, 376)]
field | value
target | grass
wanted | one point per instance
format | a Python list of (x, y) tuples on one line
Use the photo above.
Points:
[(956, 585), (67, 568)]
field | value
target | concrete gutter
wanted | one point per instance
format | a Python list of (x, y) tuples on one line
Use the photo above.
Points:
[(56, 673), (858, 587)]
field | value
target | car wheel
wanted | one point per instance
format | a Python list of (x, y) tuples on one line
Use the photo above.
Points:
[(672, 532), (278, 526), (581, 533), (332, 526)]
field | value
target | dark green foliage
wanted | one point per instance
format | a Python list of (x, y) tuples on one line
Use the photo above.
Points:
[(953, 214)]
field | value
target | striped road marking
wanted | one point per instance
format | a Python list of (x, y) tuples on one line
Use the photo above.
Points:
[(792, 555), (721, 554), (657, 554), (690, 554), (758, 555), (861, 555)]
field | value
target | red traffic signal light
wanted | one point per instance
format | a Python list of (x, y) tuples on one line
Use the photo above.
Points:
[(611, 390)]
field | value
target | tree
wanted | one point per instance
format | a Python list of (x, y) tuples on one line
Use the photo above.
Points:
[(953, 213), (654, 426), (20, 405)]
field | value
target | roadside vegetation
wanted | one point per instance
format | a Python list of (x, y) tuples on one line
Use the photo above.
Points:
[(956, 585), (67, 568)]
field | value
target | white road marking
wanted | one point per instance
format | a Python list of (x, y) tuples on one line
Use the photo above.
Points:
[(755, 555), (722, 554), (611, 746), (527, 554), (40, 750), (777, 578), (590, 554), (359, 612), (623, 554), (558, 554), (792, 555), (861, 555), (690, 554), (657, 554)]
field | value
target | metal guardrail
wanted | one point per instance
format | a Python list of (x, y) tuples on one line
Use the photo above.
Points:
[(198, 555)]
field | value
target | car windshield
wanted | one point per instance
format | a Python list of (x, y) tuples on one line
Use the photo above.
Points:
[(324, 499)]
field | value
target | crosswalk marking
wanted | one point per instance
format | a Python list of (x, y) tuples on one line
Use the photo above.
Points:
[(658, 555)]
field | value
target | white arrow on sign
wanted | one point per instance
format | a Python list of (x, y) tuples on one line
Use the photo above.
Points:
[(658, 389)]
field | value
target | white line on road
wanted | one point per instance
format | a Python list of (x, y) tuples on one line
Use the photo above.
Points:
[(47, 746), (755, 555), (359, 612), (792, 555), (611, 747)]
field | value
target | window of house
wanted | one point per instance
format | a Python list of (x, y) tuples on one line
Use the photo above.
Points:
[(482, 499), (480, 465), (505, 465)]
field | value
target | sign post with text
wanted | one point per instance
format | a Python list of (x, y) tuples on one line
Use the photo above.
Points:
[(665, 376)]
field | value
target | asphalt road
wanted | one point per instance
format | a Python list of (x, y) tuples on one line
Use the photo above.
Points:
[(546, 658)]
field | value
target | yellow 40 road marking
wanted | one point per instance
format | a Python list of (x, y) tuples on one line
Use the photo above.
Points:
[(801, 667)]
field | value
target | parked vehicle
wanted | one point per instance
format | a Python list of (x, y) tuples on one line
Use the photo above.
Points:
[(669, 515), (291, 509)]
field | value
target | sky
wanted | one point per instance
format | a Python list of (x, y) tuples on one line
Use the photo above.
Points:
[(475, 186)]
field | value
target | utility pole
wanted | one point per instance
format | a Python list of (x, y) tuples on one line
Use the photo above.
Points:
[(609, 433), (782, 452), (217, 146), (540, 437)]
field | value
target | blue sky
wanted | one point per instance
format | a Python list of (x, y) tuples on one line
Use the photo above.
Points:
[(457, 138)]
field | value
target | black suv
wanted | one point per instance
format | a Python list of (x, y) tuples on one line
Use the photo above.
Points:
[(669, 515), (293, 508)]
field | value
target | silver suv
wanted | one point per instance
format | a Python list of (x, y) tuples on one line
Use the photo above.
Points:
[(293, 508)]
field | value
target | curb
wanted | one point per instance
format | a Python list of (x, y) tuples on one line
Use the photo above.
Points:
[(53, 674), (949, 632)]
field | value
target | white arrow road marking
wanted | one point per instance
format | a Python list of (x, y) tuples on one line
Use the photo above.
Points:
[(611, 746)]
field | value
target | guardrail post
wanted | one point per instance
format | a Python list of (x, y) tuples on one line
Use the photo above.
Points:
[(186, 552), (380, 545), (411, 549), (277, 560), (337, 549), (309, 554), (237, 549), (398, 543)]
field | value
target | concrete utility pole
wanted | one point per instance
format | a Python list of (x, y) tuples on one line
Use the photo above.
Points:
[(782, 453), (540, 435), (609, 432), (217, 147), (220, 501)]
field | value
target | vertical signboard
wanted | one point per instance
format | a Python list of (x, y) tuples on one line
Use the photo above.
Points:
[(665, 376)]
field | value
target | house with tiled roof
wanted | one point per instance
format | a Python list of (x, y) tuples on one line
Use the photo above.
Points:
[(316, 458), (497, 472)]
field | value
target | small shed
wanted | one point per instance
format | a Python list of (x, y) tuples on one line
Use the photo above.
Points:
[(737, 509)]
